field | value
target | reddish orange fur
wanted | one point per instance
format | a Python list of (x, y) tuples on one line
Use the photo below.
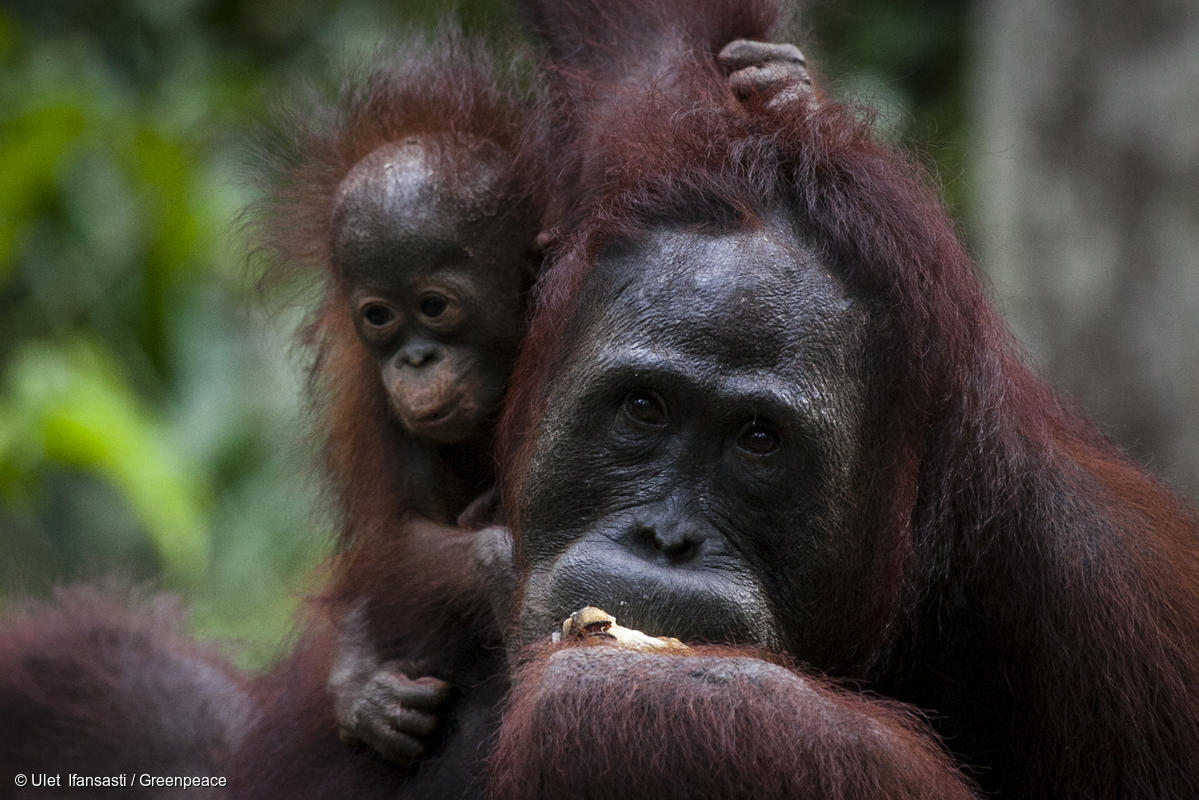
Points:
[(452, 92), (105, 682), (757, 730)]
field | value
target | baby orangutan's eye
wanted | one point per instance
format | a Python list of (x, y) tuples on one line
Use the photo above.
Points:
[(433, 305), (377, 315)]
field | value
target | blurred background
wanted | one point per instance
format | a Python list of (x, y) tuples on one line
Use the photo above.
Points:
[(151, 421)]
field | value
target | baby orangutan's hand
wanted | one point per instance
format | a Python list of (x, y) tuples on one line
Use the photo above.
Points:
[(390, 712), (774, 76)]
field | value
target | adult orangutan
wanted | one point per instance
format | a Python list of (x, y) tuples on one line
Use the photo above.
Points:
[(765, 402)]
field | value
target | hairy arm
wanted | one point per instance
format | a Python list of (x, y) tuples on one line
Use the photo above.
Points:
[(400, 647), (602, 721)]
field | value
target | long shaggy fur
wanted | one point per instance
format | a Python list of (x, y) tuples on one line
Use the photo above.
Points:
[(454, 93), (103, 682), (96, 682), (715, 724)]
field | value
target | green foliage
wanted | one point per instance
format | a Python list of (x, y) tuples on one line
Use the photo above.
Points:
[(69, 405), (908, 62), (150, 416)]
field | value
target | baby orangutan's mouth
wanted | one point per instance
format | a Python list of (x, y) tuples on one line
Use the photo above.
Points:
[(439, 414), (450, 422)]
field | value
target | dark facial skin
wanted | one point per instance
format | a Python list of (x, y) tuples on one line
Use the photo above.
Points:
[(434, 278), (697, 464)]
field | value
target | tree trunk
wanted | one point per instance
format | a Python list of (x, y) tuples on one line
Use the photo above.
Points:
[(1088, 201)]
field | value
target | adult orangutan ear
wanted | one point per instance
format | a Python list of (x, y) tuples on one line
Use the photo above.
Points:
[(766, 74)]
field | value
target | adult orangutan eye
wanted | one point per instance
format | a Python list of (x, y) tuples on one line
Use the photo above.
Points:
[(646, 408), (758, 438), (433, 305), (377, 315)]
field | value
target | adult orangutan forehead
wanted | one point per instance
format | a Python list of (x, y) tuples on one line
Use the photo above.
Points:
[(754, 296)]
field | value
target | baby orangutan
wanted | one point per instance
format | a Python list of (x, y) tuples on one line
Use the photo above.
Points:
[(435, 273), (409, 201)]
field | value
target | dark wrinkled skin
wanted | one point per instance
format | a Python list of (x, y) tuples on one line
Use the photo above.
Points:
[(693, 472), (390, 706), (775, 75)]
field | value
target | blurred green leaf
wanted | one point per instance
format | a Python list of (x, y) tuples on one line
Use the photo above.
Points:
[(31, 146), (83, 415)]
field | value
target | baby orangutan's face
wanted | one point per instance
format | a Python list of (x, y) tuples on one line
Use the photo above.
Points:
[(435, 276)]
